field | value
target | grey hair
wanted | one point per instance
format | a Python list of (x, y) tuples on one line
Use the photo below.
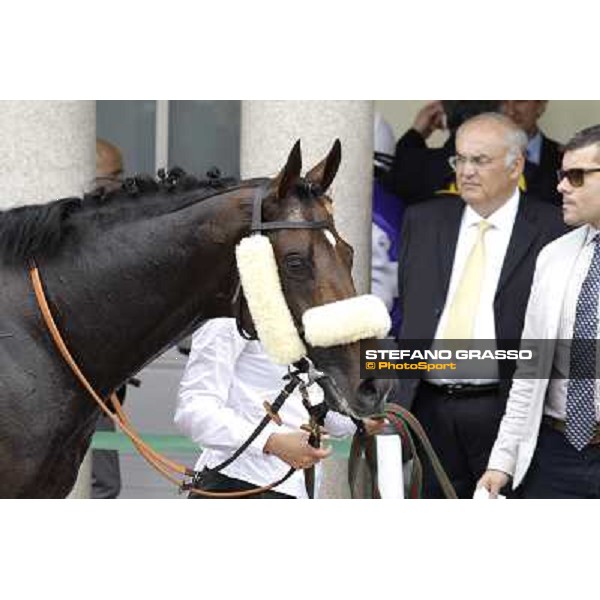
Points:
[(516, 139)]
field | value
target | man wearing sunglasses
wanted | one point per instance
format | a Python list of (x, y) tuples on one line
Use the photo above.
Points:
[(466, 266), (549, 438)]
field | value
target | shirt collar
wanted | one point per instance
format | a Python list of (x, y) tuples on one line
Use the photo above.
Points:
[(534, 148), (502, 218), (592, 232)]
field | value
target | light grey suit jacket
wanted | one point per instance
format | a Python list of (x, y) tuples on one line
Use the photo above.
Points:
[(518, 433)]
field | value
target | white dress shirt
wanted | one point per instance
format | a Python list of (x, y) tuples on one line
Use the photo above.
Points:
[(496, 243), (556, 400), (220, 403)]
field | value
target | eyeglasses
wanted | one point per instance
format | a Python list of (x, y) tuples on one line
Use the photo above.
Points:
[(479, 161), (575, 177)]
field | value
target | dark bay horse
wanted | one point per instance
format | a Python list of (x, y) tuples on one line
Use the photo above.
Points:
[(127, 274)]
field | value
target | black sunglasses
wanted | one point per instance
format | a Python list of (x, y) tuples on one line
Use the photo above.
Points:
[(575, 176)]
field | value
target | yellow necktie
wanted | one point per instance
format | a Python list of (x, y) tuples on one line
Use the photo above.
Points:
[(461, 315)]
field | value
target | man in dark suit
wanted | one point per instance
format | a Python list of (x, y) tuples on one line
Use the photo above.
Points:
[(465, 271), (543, 156)]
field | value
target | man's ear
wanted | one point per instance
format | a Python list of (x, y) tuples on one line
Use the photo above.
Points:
[(290, 173), (518, 167), (324, 173)]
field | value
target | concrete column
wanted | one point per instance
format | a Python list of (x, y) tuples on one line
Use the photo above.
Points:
[(269, 130), (47, 151)]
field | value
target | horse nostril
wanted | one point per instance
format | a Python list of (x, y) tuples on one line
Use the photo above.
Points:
[(367, 387), (372, 395)]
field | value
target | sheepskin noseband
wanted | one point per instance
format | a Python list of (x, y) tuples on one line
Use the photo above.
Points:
[(341, 322), (346, 321)]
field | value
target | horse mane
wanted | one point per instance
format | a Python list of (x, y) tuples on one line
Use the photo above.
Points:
[(36, 230)]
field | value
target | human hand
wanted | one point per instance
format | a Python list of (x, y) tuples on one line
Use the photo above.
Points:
[(374, 426), (493, 481), (294, 449), (429, 118)]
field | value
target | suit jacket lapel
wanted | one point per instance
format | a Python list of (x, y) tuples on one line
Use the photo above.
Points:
[(522, 236), (447, 240), (545, 154), (557, 286)]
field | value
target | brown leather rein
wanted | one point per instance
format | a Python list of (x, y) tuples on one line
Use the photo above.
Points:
[(178, 474)]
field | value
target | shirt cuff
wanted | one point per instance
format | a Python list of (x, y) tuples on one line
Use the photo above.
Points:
[(502, 459)]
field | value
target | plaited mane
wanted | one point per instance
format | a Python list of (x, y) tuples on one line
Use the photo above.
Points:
[(37, 230)]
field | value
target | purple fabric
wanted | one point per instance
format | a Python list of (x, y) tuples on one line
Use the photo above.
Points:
[(388, 211)]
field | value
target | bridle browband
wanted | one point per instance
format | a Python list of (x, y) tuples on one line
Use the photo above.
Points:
[(257, 225)]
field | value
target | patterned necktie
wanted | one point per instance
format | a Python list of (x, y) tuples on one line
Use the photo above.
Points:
[(581, 389), (462, 311)]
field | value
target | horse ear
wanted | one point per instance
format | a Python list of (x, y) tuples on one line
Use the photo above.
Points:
[(324, 173), (290, 173)]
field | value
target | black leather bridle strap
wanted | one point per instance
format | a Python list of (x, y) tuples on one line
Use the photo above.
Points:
[(261, 192), (271, 226), (258, 224), (274, 408)]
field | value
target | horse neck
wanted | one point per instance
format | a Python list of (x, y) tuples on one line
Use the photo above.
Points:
[(138, 287)]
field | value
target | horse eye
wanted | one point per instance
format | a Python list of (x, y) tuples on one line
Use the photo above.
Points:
[(296, 264)]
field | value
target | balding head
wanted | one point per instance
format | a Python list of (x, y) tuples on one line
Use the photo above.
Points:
[(109, 164), (489, 149), (515, 138)]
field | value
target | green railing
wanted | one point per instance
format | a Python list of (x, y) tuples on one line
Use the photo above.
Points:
[(109, 440)]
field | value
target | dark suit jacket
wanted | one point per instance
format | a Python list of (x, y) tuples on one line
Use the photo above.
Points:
[(541, 180), (429, 238)]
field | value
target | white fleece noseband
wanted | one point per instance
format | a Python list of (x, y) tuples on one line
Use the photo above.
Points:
[(341, 322), (346, 321)]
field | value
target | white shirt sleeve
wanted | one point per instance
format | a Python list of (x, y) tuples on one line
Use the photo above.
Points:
[(338, 425), (202, 411)]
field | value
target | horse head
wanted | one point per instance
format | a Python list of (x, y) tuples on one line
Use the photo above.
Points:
[(297, 279)]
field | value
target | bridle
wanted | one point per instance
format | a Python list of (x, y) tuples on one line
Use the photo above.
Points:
[(317, 413), (258, 226), (185, 478)]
